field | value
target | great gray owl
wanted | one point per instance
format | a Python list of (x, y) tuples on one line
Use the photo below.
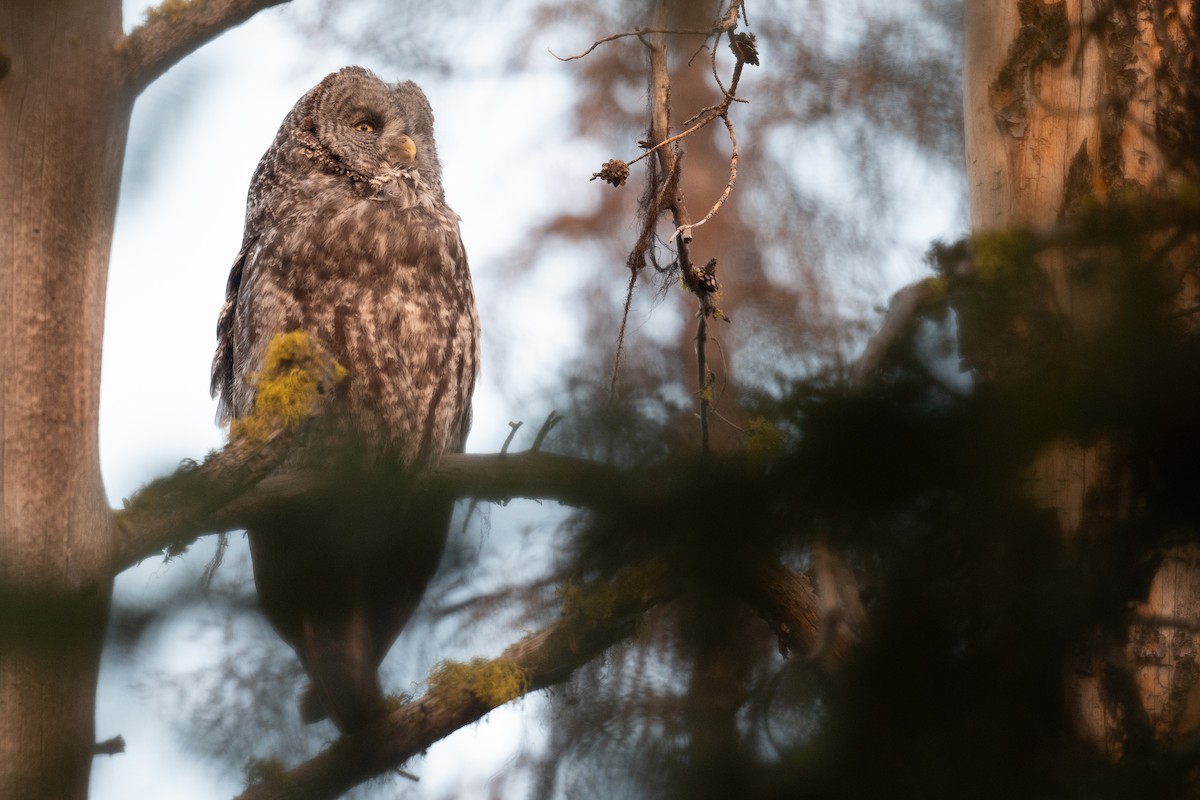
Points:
[(349, 239)]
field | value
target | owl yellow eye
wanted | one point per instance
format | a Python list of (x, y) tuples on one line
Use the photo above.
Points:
[(365, 126)]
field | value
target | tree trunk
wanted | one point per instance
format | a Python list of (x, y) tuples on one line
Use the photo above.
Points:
[(1063, 105), (63, 124)]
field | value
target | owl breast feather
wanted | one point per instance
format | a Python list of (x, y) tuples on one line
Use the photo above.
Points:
[(384, 287)]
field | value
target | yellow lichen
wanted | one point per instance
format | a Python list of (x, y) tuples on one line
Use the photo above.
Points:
[(171, 10), (598, 603), (296, 372), (392, 702), (764, 438), (936, 289), (491, 681)]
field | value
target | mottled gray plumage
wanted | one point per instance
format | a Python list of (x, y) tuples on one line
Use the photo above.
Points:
[(349, 239)]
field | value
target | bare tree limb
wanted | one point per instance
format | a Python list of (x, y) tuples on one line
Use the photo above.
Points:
[(174, 29), (787, 601)]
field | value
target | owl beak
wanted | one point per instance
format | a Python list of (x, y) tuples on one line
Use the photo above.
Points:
[(405, 150)]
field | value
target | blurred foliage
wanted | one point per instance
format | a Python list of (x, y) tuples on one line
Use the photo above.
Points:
[(976, 601)]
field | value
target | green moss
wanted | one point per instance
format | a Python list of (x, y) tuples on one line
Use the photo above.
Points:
[(296, 372), (1000, 255), (492, 681)]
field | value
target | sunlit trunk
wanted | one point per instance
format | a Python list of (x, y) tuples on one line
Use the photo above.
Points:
[(62, 134), (1063, 103)]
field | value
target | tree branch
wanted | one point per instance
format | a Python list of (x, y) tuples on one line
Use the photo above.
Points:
[(898, 324), (237, 485), (174, 29), (784, 598), (169, 513), (541, 660), (635, 32)]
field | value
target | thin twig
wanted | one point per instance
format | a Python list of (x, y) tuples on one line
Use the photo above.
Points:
[(635, 32), (663, 194), (675, 138), (513, 428), (724, 369), (616, 372), (702, 373), (733, 165), (727, 420), (547, 426)]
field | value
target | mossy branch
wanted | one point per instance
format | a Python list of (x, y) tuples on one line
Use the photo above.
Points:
[(460, 694), (172, 511), (175, 28), (241, 483), (594, 619)]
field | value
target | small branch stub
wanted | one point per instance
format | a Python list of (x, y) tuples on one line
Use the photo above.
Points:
[(110, 747)]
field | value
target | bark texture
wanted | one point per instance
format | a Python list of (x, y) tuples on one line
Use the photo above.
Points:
[(1065, 106), (63, 124)]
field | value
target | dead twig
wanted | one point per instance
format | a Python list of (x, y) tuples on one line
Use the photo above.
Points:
[(553, 419), (639, 32), (513, 428), (733, 166)]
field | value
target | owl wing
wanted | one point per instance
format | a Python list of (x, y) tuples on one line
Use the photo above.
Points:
[(221, 385)]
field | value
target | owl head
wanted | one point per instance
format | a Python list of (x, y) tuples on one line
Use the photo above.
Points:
[(354, 125)]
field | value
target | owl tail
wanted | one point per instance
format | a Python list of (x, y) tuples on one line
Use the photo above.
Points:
[(339, 658)]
